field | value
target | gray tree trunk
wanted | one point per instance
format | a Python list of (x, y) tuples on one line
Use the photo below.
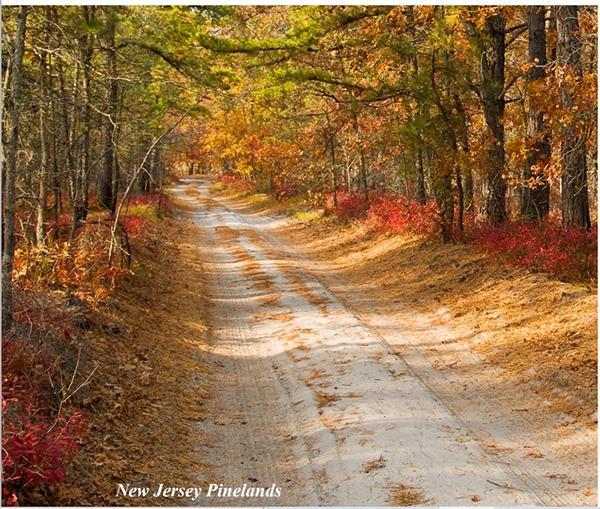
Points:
[(41, 206), (491, 46), (8, 252), (575, 204), (80, 205), (107, 192)]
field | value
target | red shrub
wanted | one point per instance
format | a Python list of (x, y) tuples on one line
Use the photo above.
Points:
[(568, 254), (349, 206), (133, 225), (36, 443), (397, 214)]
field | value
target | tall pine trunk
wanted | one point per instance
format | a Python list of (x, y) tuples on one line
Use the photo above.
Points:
[(331, 143), (575, 204), (364, 179), (8, 244), (491, 45), (81, 178), (41, 206), (492, 68), (414, 60), (107, 192), (463, 140), (535, 195)]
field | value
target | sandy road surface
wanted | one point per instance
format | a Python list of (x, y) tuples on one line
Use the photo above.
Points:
[(307, 396)]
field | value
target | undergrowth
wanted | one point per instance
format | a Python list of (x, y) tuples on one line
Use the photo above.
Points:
[(567, 254), (40, 435), (80, 264), (40, 431)]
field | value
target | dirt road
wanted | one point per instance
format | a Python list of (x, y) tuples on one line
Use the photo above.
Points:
[(309, 397)]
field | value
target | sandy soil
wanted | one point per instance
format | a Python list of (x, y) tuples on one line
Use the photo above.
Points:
[(322, 390)]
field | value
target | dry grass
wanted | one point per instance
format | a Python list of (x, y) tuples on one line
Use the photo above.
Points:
[(152, 382), (404, 495), (325, 398)]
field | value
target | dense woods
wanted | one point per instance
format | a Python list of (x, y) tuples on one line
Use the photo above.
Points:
[(490, 113), (461, 123)]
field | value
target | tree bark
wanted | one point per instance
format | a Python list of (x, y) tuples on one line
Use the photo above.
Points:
[(421, 192), (535, 195), (491, 47), (80, 205), (11, 171), (363, 162), (443, 176), (463, 141), (107, 193), (41, 206), (575, 204), (331, 144)]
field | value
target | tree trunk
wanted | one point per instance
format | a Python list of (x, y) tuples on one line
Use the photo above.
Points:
[(81, 180), (445, 202), (535, 192), (460, 209), (363, 163), (40, 231), (575, 204), (463, 141), (68, 127), (443, 176), (331, 144), (491, 46), (421, 193), (107, 194), (11, 171)]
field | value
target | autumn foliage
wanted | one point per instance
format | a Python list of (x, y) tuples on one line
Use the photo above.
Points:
[(439, 121), (39, 435), (37, 443), (569, 254), (397, 214)]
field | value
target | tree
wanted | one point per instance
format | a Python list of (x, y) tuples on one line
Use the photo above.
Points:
[(490, 44), (82, 172), (16, 75), (575, 204), (535, 193), (40, 233), (110, 175)]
